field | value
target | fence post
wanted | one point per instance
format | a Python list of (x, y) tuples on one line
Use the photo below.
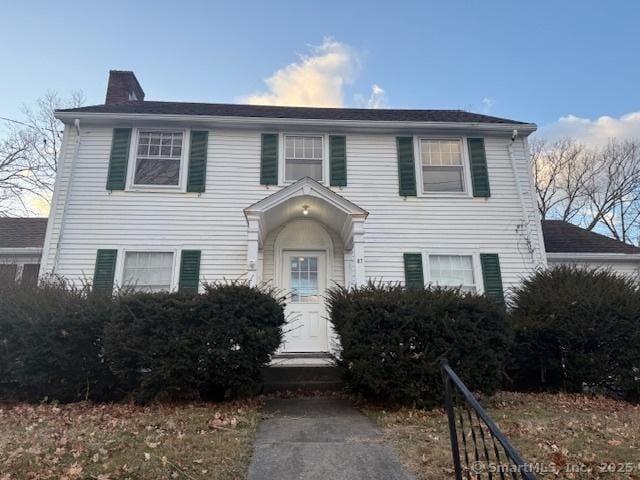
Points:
[(448, 402)]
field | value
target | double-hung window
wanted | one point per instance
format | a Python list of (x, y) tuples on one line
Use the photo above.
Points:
[(302, 157), (442, 165), (148, 271), (455, 271), (158, 158)]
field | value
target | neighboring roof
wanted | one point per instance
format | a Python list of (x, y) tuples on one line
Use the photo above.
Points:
[(311, 113), (564, 237), (22, 232)]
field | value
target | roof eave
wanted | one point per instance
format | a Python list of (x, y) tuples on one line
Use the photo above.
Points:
[(244, 122), (587, 256), (20, 250)]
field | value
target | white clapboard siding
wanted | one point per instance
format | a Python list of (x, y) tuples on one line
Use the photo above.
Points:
[(214, 221)]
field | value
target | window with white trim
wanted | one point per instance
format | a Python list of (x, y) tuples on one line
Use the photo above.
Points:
[(442, 165), (148, 271), (302, 157), (158, 158), (452, 271)]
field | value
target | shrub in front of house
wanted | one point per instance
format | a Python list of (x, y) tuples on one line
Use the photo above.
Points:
[(393, 338), (181, 345), (51, 344), (577, 328)]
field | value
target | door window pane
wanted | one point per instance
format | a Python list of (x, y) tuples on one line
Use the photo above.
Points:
[(452, 271), (304, 279), (148, 271)]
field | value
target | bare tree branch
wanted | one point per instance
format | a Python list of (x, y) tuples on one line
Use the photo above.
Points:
[(29, 154), (597, 188)]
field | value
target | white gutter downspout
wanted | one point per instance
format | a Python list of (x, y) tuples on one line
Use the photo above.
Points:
[(63, 219), (535, 254)]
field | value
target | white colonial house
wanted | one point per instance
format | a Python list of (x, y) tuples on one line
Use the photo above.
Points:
[(168, 195)]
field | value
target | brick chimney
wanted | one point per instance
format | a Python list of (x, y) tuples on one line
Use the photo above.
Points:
[(123, 87)]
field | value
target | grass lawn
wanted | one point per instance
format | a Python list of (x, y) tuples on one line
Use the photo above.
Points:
[(112, 442), (565, 430)]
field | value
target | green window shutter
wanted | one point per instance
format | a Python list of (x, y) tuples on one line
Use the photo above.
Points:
[(406, 166), (338, 161), (491, 275), (120, 144), (197, 161), (413, 276), (479, 172), (104, 271), (189, 271), (269, 159)]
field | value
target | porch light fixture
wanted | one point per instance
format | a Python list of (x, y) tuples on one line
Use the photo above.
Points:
[(305, 209)]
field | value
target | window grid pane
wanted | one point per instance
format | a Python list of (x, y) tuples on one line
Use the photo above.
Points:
[(158, 158), (452, 271), (441, 152), (442, 179), (303, 157), (148, 271), (442, 168)]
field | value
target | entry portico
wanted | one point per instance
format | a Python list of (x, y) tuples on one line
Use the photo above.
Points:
[(302, 240), (307, 199)]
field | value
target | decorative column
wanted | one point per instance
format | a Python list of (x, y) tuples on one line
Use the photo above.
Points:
[(253, 244), (358, 252)]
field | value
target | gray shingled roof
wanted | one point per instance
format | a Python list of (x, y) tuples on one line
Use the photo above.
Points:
[(262, 111), (564, 237), (22, 232)]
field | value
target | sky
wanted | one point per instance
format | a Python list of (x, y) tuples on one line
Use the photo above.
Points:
[(570, 66)]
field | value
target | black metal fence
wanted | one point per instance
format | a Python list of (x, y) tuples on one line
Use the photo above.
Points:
[(480, 450)]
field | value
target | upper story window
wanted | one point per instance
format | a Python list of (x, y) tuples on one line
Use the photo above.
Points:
[(452, 271), (442, 165), (158, 158), (148, 271), (302, 157)]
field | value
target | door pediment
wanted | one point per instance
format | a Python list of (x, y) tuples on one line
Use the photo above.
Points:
[(306, 195)]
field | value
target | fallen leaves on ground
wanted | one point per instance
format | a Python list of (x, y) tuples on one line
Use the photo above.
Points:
[(125, 441), (599, 433)]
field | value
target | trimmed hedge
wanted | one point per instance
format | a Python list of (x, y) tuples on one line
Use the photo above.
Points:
[(179, 345), (51, 344), (575, 328), (393, 338)]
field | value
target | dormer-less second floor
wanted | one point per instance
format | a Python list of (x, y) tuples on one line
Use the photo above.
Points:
[(130, 146)]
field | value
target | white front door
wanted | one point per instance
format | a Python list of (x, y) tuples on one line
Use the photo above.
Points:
[(305, 278)]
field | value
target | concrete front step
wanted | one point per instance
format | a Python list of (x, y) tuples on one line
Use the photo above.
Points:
[(322, 378)]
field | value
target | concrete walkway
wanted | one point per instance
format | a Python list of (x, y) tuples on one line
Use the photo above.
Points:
[(321, 439)]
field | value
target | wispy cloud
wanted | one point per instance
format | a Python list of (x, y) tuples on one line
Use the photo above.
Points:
[(593, 132), (487, 105), (378, 97), (316, 79)]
